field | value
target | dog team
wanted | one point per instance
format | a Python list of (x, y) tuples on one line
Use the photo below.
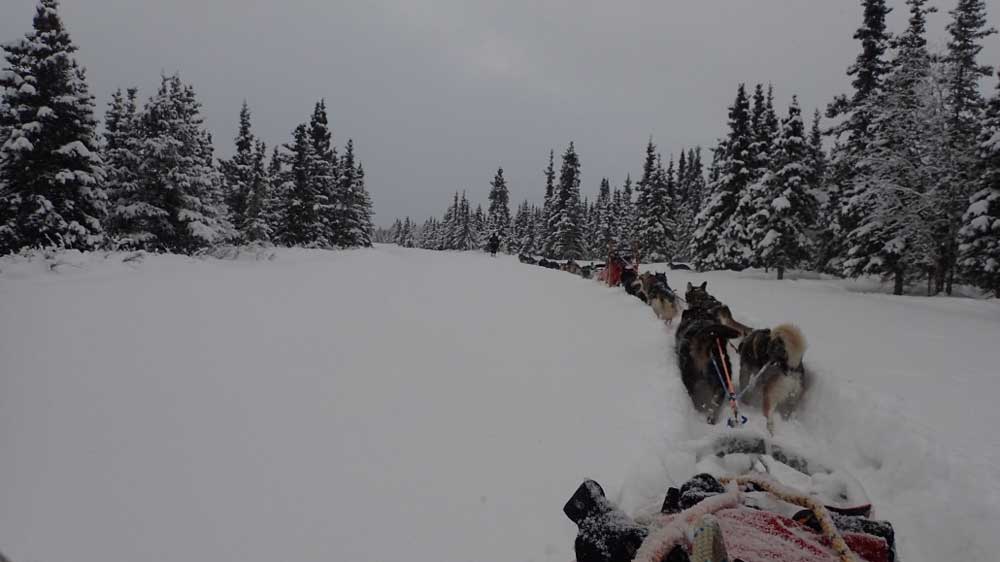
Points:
[(772, 374)]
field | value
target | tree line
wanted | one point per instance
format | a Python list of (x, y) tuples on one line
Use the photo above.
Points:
[(901, 180), (150, 180)]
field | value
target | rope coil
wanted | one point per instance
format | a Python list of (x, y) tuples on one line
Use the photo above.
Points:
[(788, 495)]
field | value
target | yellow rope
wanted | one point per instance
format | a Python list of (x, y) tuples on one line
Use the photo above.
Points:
[(791, 496)]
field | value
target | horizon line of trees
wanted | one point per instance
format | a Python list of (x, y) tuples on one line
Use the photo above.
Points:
[(151, 180), (909, 190)]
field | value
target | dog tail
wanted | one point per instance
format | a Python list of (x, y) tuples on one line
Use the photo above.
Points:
[(795, 343)]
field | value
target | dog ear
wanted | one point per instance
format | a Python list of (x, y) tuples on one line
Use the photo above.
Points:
[(690, 286), (704, 285)]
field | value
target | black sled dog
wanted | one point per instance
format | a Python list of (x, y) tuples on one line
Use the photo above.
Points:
[(701, 341)]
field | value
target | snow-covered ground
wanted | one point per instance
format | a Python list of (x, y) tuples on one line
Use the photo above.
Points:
[(394, 404)]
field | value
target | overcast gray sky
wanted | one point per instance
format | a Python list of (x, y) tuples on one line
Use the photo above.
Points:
[(438, 93)]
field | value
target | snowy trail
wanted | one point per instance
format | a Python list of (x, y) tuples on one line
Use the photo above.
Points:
[(399, 404), (364, 406)]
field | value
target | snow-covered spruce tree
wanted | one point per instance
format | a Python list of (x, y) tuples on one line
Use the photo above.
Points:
[(304, 193), (177, 205), (498, 216), (566, 223), (817, 155), (275, 206), (780, 237), (753, 200), (356, 223), (680, 190), (51, 176), (404, 232), (627, 216), (670, 216), (434, 238), (538, 224), (852, 134), (545, 238), (765, 126), (710, 248), (121, 160), (759, 151), (825, 194), (527, 242), (654, 207), (896, 240), (256, 225), (406, 239), (455, 225), (681, 205), (396, 231), (530, 243), (237, 171), (741, 233), (587, 214), (605, 221), (427, 233), (517, 228), (980, 234), (332, 202), (440, 240), (363, 224), (967, 30), (464, 233), (615, 219), (689, 201), (480, 228)]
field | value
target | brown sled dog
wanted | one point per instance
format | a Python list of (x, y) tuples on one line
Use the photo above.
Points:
[(660, 296), (780, 385)]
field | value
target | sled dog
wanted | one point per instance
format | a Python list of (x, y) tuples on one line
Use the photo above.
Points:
[(548, 264), (698, 340), (660, 296), (632, 284), (780, 386)]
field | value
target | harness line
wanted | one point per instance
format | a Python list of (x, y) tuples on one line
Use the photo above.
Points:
[(753, 379), (727, 384)]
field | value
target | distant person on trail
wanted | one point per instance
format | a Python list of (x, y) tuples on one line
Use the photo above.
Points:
[(494, 244)]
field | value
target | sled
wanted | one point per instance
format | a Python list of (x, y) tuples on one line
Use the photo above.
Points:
[(755, 500), (615, 267), (742, 452)]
